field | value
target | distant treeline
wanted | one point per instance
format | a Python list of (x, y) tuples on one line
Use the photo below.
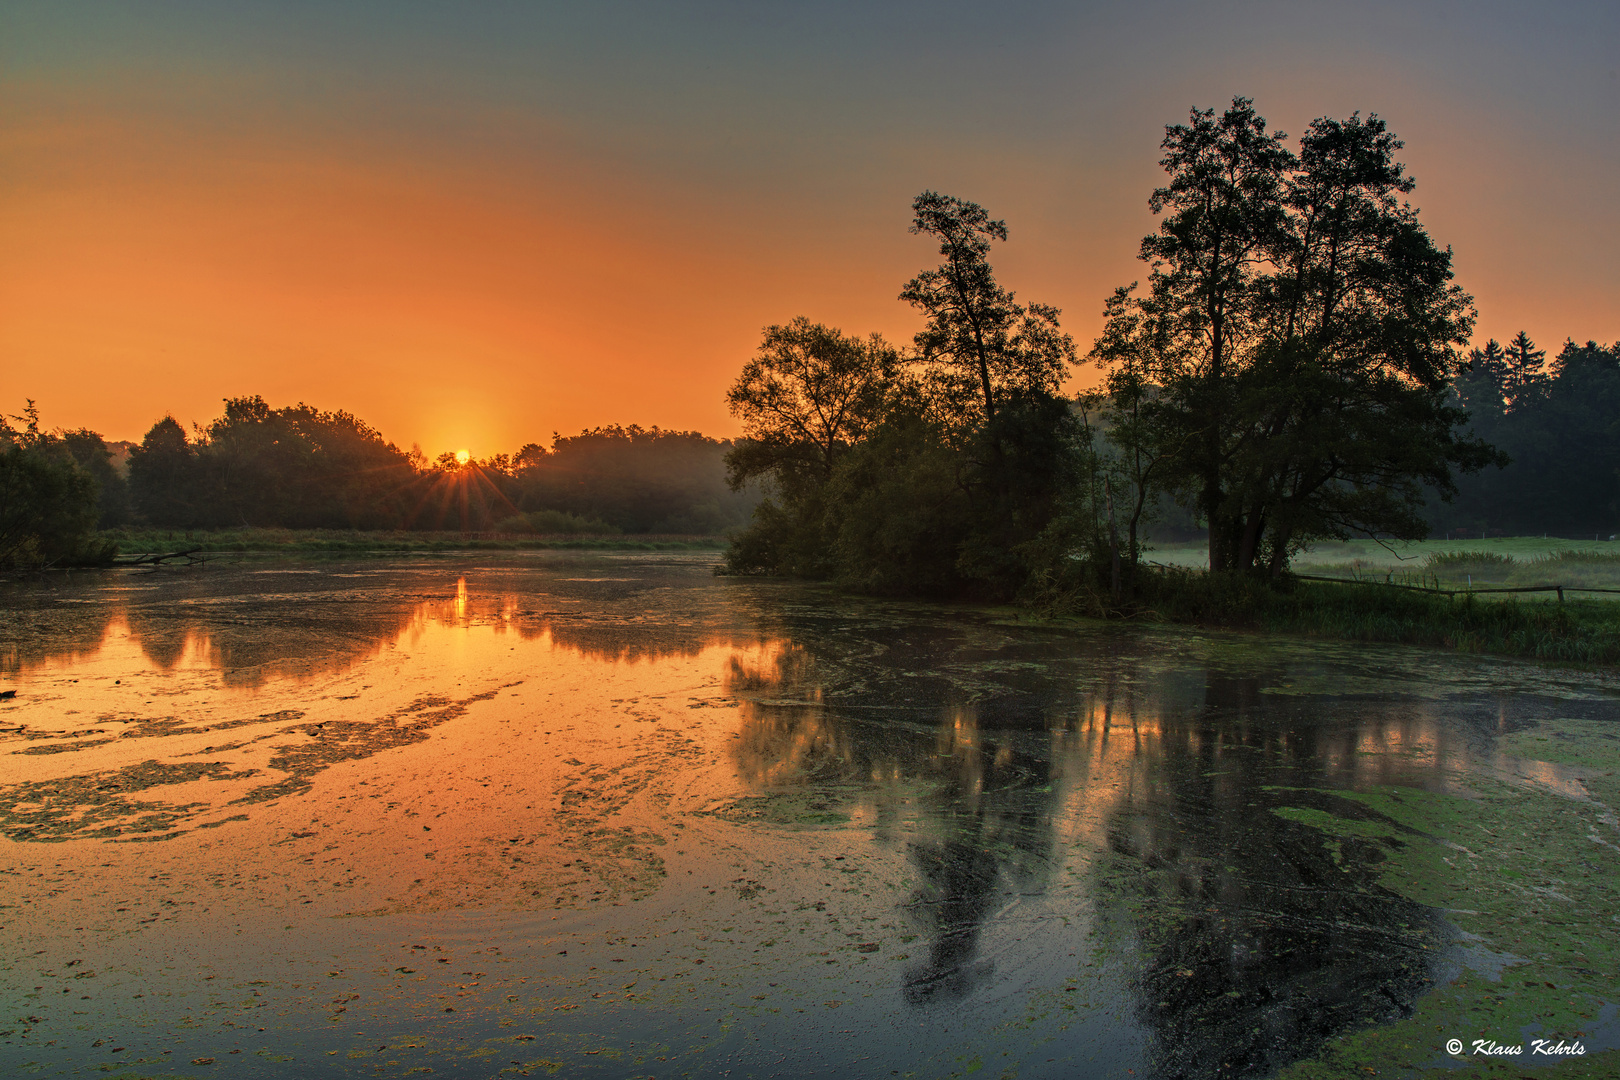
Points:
[(1559, 425), (302, 467), (1290, 370)]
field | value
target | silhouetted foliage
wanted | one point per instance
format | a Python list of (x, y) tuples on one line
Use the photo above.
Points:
[(300, 467), (1288, 369), (938, 473), (164, 477), (90, 453), (48, 504), (808, 396), (979, 345), (898, 511), (1560, 426)]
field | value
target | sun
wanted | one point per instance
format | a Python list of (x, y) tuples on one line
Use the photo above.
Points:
[(462, 457)]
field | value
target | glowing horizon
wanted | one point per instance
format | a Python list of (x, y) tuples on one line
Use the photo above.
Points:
[(475, 230)]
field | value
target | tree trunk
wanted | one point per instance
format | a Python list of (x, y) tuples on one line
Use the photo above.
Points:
[(1279, 554), (1217, 547), (1249, 544), (1113, 541), (1134, 549), (1219, 550)]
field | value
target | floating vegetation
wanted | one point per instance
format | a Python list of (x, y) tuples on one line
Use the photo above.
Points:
[(611, 816)]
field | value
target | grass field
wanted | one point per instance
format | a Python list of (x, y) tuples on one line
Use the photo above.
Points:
[(1583, 632), (1511, 561), (289, 541)]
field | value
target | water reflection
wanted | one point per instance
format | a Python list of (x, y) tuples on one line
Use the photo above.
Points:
[(1258, 940), (1032, 806), (252, 627), (1253, 940)]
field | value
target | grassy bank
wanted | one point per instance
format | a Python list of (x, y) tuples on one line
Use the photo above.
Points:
[(1525, 875), (291, 541), (1580, 632), (1347, 557)]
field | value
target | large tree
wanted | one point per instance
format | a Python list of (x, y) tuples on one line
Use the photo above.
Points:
[(1525, 376), (1222, 208), (980, 345), (808, 395), (940, 472), (1300, 332), (164, 478)]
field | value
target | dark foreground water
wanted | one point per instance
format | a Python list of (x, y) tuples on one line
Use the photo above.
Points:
[(614, 816)]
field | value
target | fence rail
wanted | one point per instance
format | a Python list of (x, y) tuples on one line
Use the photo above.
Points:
[(1435, 591), (1470, 591)]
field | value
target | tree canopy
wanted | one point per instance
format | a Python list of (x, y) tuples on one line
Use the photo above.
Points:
[(49, 504), (807, 396), (1299, 334), (932, 472), (979, 345)]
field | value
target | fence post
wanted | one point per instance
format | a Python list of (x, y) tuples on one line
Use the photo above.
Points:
[(1560, 594)]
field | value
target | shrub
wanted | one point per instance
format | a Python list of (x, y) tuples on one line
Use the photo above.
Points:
[(48, 510)]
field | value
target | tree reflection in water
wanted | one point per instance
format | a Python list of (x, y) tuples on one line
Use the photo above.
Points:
[(254, 626), (1102, 796), (1259, 941), (993, 810), (1252, 940)]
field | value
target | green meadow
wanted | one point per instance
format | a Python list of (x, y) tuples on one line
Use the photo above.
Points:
[(1501, 562)]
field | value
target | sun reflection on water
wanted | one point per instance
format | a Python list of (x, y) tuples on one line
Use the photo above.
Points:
[(914, 809)]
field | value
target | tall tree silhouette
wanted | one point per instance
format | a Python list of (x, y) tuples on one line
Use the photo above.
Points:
[(980, 343), (1300, 330), (1524, 372)]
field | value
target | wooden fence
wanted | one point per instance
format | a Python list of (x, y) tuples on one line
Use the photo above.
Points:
[(1470, 591)]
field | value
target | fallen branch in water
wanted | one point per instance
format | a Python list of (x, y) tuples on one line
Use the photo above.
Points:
[(157, 559)]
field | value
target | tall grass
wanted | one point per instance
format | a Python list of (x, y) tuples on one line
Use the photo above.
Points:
[(1582, 632), (1572, 568)]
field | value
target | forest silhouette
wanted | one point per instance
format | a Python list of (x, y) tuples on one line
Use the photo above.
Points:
[(1294, 370), (301, 467)]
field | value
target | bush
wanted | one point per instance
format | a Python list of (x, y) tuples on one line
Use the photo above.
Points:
[(48, 510), (908, 511)]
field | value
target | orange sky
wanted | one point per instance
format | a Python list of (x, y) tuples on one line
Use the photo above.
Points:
[(480, 248)]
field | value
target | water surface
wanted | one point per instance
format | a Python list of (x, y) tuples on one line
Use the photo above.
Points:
[(612, 815)]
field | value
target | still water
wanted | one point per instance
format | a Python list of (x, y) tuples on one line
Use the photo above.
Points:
[(612, 815)]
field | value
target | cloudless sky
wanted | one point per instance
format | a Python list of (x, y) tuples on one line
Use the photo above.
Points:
[(473, 224)]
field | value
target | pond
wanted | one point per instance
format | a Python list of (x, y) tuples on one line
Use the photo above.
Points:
[(612, 815)]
